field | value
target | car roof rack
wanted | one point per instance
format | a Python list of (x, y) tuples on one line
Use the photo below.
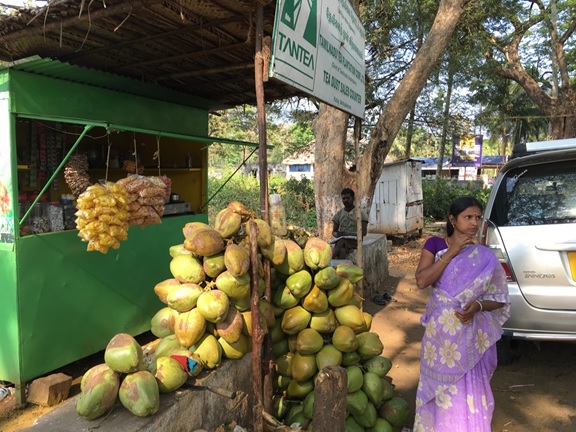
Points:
[(525, 149)]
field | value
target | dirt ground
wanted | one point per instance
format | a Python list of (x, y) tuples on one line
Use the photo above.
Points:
[(535, 393)]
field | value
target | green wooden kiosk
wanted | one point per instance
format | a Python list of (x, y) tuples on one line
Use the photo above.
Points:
[(59, 302)]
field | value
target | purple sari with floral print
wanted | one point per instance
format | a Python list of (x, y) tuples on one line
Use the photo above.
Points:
[(458, 360)]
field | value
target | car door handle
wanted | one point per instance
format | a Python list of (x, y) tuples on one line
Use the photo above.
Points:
[(557, 247)]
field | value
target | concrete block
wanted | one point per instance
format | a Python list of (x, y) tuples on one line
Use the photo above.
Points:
[(49, 390), (374, 262)]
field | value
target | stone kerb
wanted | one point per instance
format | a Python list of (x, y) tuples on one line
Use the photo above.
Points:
[(180, 411)]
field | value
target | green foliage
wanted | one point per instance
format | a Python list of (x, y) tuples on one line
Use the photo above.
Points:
[(439, 194), (297, 196)]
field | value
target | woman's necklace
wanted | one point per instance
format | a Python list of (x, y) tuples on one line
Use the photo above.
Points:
[(446, 241)]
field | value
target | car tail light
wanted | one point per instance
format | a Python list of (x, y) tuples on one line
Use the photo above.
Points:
[(490, 237)]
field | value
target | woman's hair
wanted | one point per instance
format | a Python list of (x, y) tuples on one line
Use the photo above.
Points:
[(458, 206)]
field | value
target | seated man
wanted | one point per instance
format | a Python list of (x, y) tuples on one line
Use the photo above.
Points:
[(344, 225)]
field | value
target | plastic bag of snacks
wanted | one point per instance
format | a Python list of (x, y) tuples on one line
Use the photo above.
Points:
[(145, 199), (102, 216)]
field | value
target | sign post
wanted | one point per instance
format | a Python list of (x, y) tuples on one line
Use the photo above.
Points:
[(318, 47)]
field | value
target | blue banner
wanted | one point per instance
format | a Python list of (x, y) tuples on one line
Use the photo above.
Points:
[(467, 151)]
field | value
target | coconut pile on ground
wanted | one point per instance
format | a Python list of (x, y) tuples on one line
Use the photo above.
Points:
[(314, 319)]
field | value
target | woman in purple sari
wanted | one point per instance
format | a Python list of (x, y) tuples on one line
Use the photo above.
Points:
[(463, 320)]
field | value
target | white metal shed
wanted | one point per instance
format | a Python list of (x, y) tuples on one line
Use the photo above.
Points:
[(397, 207)]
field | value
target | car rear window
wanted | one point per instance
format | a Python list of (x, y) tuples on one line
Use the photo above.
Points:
[(537, 195)]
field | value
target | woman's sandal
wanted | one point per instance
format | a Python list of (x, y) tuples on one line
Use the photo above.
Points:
[(382, 299)]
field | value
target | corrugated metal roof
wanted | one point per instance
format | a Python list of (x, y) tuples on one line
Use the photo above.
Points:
[(83, 75), (203, 49)]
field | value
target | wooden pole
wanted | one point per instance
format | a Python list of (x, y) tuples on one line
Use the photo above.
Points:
[(257, 332), (264, 345), (358, 203), (330, 388)]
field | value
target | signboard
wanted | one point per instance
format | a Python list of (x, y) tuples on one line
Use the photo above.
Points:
[(467, 151), (6, 203), (318, 47)]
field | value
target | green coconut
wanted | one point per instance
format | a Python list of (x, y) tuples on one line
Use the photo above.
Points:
[(299, 390), (327, 278), (396, 411), (236, 350), (209, 350), (186, 268), (309, 341), (351, 425), (99, 390), (161, 289), (213, 305), (317, 253), (303, 367), (124, 354), (350, 316), (236, 259), (368, 417), (167, 346), (231, 327), (378, 365), (189, 327), (324, 322), (284, 298), (329, 355), (381, 425), (308, 406), (373, 387), (369, 345), (184, 297), (162, 323), (341, 294), (204, 242), (344, 339), (213, 265), (315, 301), (299, 283), (235, 287), (170, 374), (350, 358), (356, 402), (294, 259), (295, 319), (355, 378), (283, 364), (139, 393)]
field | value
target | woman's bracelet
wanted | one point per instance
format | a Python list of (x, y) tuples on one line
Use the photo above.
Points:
[(479, 303), (440, 258)]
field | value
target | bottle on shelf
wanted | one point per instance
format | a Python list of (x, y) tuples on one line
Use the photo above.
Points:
[(277, 215)]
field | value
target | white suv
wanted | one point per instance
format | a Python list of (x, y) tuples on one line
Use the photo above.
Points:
[(530, 223)]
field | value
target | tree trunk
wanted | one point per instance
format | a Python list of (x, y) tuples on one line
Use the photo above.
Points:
[(330, 173), (405, 96), (445, 121)]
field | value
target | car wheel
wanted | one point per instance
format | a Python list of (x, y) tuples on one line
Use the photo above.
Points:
[(504, 350)]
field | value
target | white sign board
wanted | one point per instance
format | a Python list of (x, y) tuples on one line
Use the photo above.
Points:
[(318, 47)]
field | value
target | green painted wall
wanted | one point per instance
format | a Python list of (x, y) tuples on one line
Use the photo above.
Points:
[(72, 302), (61, 303)]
